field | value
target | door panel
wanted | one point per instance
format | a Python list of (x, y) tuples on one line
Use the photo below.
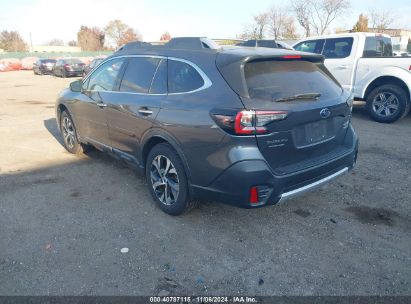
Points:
[(339, 59)]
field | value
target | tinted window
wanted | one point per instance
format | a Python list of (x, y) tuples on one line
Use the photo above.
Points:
[(182, 77), (105, 77), (271, 80), (159, 85), (311, 46), (248, 43), (338, 47), (267, 43), (377, 47), (139, 74), (73, 61)]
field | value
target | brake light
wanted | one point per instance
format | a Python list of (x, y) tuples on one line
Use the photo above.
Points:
[(409, 68), (248, 122), (292, 57), (253, 195), (66, 65), (254, 122)]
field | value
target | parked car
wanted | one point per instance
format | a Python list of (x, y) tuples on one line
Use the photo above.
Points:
[(402, 54), (44, 66), (364, 64), (95, 62), (245, 126), (68, 67), (265, 43)]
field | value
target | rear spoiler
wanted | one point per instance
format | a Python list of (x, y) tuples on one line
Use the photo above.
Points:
[(231, 66)]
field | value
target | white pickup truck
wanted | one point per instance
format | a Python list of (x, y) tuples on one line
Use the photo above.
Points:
[(364, 64)]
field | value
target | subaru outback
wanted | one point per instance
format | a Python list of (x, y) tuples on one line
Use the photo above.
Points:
[(249, 127)]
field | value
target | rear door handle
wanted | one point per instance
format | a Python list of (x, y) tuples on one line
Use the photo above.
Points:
[(145, 111), (101, 105), (343, 67)]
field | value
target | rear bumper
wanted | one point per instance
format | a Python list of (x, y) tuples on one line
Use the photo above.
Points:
[(234, 184), (74, 73)]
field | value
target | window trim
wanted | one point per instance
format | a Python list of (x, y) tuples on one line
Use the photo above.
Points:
[(207, 82)]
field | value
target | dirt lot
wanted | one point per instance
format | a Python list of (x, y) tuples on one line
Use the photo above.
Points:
[(64, 219)]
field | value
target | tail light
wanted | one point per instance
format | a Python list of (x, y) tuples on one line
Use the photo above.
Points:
[(248, 122), (253, 195), (67, 66)]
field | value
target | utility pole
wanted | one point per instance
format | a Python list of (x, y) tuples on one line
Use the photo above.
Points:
[(31, 44)]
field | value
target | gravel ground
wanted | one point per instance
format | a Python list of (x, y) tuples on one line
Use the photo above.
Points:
[(64, 220)]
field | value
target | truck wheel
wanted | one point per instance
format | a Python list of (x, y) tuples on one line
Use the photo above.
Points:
[(388, 103)]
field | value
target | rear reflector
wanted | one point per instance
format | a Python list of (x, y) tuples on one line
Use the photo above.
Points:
[(253, 195), (291, 57)]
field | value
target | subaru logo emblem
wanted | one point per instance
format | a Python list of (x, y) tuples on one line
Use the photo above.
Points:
[(325, 113)]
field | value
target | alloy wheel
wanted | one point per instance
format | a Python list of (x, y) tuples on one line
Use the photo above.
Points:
[(164, 180), (385, 104), (68, 132)]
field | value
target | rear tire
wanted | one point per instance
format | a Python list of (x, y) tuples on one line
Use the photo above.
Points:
[(70, 136), (63, 74), (388, 103), (167, 180)]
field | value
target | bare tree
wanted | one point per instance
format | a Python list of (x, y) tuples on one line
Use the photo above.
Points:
[(381, 20), (317, 15), (260, 23), (257, 29), (12, 42), (302, 11), (72, 43), (281, 24), (56, 42)]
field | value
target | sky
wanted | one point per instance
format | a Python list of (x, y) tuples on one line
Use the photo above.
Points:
[(48, 19)]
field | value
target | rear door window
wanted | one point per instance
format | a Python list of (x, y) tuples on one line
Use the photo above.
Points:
[(275, 79), (105, 78), (267, 44), (182, 77), (338, 47), (139, 74), (377, 47), (311, 46)]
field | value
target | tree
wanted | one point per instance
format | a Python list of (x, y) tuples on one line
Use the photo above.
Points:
[(280, 24), (317, 15), (409, 46), (90, 39), (257, 29), (361, 25), (302, 11), (381, 20), (119, 32), (72, 43), (56, 42), (12, 42), (165, 36), (128, 36)]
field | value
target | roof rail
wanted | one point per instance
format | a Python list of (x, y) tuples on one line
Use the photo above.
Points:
[(186, 43)]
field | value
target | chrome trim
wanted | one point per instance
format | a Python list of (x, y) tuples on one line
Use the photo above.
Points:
[(297, 192), (207, 82)]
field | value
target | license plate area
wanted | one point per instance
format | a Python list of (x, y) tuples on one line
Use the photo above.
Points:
[(314, 133)]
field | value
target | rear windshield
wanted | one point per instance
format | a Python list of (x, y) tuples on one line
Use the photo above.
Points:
[(274, 79), (48, 61)]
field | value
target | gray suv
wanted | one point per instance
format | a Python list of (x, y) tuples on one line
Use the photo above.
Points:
[(249, 127)]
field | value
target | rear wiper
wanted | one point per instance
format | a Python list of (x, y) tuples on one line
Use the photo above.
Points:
[(299, 96)]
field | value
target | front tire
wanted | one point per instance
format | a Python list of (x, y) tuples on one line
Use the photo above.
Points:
[(68, 130), (387, 103), (167, 180)]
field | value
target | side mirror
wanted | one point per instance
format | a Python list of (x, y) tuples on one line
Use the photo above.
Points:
[(76, 86)]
